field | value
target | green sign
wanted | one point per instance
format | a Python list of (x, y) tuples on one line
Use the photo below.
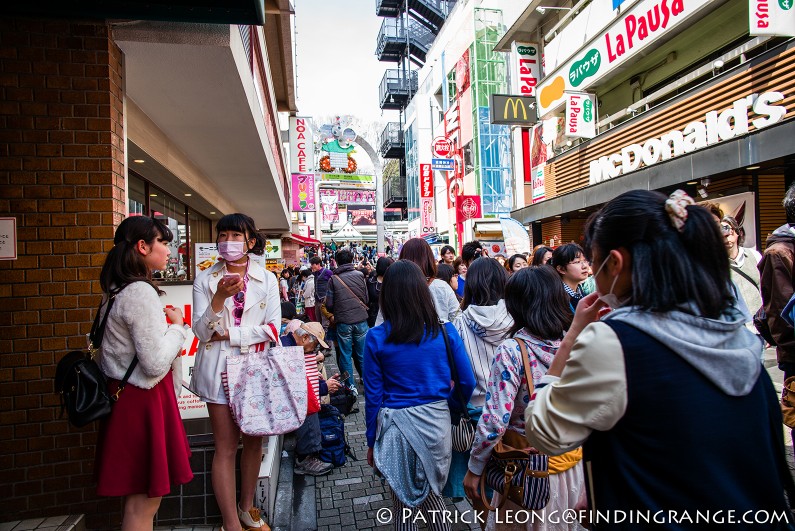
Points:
[(786, 5), (587, 110), (529, 50), (347, 177), (585, 68)]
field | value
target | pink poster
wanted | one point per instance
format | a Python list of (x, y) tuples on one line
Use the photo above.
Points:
[(328, 204), (303, 192)]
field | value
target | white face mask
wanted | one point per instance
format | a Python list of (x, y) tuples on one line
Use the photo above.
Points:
[(232, 251), (610, 298)]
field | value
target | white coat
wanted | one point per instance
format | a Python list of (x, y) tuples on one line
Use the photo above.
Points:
[(262, 307)]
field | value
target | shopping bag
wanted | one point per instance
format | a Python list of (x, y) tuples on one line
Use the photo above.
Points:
[(267, 390)]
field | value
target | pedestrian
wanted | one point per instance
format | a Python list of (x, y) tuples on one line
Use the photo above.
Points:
[(374, 283), (284, 284), (237, 309), (483, 324), (308, 438), (515, 263), (447, 255), (446, 273), (418, 251), (309, 293), (142, 448), (776, 283), (675, 331), (321, 275), (743, 263), (409, 396), (540, 314), (541, 255), (347, 300), (572, 266), (461, 274)]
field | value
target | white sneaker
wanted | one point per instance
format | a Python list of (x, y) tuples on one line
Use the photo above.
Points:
[(312, 466), (251, 520)]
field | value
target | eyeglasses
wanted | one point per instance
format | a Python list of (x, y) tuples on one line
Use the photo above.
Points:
[(580, 263), (726, 229)]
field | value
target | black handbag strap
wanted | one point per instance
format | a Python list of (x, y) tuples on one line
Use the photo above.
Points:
[(454, 371), (98, 333), (745, 275)]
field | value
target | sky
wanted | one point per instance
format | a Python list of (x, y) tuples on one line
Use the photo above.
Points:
[(337, 70)]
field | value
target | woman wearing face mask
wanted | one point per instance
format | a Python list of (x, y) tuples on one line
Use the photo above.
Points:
[(237, 310), (675, 332), (742, 261)]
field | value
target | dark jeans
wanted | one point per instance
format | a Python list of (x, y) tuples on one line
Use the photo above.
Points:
[(307, 437), (350, 346)]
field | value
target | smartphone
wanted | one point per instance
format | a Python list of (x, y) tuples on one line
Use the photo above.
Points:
[(344, 376), (232, 278)]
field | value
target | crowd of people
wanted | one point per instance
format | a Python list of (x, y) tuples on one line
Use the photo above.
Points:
[(629, 360)]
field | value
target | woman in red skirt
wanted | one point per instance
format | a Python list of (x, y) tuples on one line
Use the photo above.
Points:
[(142, 448)]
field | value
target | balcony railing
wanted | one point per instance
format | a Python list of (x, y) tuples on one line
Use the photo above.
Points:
[(394, 41), (391, 141), (388, 8), (395, 191), (397, 88), (431, 13)]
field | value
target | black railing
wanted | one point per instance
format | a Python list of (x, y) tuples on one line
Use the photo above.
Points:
[(394, 40), (395, 191), (391, 141), (388, 8), (397, 88)]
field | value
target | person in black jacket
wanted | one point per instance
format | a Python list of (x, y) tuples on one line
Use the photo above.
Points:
[(374, 288), (347, 300)]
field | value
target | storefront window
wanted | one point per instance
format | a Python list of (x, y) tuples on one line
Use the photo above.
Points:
[(187, 226)]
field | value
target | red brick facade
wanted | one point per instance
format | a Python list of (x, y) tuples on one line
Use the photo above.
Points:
[(62, 177)]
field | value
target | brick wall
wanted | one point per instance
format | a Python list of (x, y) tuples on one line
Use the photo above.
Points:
[(62, 177)]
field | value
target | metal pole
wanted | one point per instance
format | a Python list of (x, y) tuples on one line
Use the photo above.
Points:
[(379, 191)]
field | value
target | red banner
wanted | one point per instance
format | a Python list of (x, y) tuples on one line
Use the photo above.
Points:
[(426, 181), (467, 207)]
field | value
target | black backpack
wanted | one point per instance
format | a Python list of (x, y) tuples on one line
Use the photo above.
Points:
[(344, 400), (332, 436)]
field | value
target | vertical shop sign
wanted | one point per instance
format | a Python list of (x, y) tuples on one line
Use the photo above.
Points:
[(772, 17), (526, 68), (302, 149), (303, 192), (427, 217), (539, 189), (328, 204), (580, 115)]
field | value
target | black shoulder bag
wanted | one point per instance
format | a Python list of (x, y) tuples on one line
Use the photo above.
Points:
[(463, 429), (80, 382)]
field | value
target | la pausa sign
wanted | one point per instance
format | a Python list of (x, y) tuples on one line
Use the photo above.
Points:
[(716, 127)]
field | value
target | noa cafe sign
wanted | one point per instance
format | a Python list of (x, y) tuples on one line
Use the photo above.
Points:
[(716, 127)]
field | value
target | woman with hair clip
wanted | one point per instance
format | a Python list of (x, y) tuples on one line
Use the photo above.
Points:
[(409, 395), (536, 331), (142, 448), (237, 310), (671, 371)]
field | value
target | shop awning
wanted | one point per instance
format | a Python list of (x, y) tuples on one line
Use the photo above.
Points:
[(303, 240)]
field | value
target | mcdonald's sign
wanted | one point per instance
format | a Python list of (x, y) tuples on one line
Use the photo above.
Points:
[(507, 109)]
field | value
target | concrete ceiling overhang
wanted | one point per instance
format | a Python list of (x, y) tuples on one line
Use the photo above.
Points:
[(279, 42), (194, 83), (525, 29)]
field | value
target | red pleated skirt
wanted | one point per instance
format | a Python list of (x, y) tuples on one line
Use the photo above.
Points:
[(142, 447)]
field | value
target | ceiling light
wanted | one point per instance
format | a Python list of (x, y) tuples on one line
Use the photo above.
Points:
[(692, 182), (543, 9), (581, 210), (557, 216), (212, 212), (753, 167), (139, 161), (188, 195), (152, 195)]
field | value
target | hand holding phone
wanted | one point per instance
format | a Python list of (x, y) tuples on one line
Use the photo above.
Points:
[(231, 278), (342, 377)]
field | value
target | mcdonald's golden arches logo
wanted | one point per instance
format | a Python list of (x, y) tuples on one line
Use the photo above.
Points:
[(508, 109)]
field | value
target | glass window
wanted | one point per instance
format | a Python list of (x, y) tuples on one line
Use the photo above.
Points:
[(136, 196), (200, 230), (172, 214)]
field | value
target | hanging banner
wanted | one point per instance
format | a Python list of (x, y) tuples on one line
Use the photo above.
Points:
[(539, 188), (302, 147), (467, 207), (329, 206), (427, 217), (580, 115), (356, 197), (303, 192), (525, 68), (772, 17), (515, 236)]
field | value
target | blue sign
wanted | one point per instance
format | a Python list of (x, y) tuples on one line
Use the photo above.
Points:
[(443, 164), (617, 3)]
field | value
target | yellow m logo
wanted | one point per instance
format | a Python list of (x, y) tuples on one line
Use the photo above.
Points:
[(515, 104)]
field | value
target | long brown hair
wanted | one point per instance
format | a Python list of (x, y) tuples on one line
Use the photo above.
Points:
[(418, 251)]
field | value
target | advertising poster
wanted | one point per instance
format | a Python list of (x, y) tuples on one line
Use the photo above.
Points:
[(580, 115), (356, 197), (539, 189), (206, 256), (329, 206), (427, 217), (772, 17), (181, 296), (362, 216), (303, 192)]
